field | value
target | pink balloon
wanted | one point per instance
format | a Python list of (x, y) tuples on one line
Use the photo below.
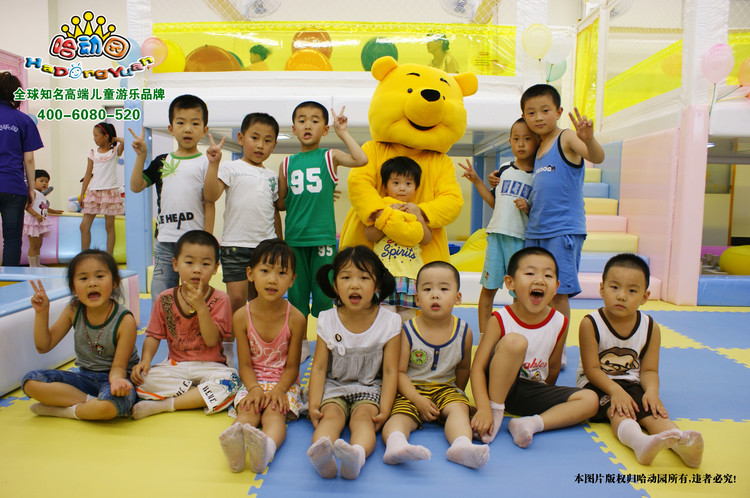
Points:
[(717, 63), (156, 48)]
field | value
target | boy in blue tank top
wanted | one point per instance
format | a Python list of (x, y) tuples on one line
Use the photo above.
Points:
[(557, 220), (306, 184)]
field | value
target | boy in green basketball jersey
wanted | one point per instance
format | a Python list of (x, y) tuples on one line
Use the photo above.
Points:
[(306, 184)]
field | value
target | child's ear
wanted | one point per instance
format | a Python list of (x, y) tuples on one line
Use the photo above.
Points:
[(508, 282), (174, 264), (645, 297), (216, 268), (601, 289), (239, 138), (458, 298), (249, 272)]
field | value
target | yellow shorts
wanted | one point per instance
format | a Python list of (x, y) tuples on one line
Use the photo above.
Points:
[(440, 394)]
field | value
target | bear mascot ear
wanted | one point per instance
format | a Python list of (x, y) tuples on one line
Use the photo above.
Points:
[(468, 83), (383, 66)]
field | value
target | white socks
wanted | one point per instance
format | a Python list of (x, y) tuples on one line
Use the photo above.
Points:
[(351, 456), (464, 452), (523, 429), (233, 443), (146, 408), (34, 261), (398, 450), (260, 447), (498, 411), (54, 411), (644, 446), (320, 454), (690, 448)]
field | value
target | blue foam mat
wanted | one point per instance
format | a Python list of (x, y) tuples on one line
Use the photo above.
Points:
[(734, 331)]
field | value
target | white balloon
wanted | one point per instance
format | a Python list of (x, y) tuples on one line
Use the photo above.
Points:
[(561, 47)]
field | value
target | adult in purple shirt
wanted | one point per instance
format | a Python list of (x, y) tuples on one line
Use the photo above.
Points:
[(19, 138)]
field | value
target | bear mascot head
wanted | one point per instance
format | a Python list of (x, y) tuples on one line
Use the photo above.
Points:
[(416, 111)]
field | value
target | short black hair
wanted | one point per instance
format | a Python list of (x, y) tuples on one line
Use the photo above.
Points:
[(538, 91), (519, 121), (364, 259), (314, 105), (188, 101), (199, 237), (102, 256), (9, 83), (515, 260), (260, 118), (627, 260), (273, 251), (401, 165), (441, 264), (40, 173)]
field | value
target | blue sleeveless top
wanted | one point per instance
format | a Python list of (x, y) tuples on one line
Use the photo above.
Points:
[(556, 196)]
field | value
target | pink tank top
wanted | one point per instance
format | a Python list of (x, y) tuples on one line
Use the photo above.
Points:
[(269, 358)]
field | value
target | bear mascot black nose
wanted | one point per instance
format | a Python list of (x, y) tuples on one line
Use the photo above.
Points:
[(430, 95)]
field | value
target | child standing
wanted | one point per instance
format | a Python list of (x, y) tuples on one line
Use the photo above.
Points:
[(100, 192), (506, 230), (518, 358), (433, 371), (400, 231), (179, 179), (251, 214), (620, 363), (193, 317), (104, 337), (354, 373), (306, 184), (557, 220), (35, 222), (269, 333)]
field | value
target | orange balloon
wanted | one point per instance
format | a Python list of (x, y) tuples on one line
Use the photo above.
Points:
[(313, 40), (211, 58), (308, 60), (744, 74)]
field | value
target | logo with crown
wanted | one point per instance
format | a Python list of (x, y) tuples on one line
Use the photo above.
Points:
[(89, 38)]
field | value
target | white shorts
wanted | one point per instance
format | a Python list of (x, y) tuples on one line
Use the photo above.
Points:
[(292, 395), (216, 382)]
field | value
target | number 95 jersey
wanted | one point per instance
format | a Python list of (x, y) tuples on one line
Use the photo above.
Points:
[(311, 180)]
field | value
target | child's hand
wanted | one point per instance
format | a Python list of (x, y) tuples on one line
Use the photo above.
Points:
[(522, 204), (39, 301), (339, 120), (315, 416), (651, 401), (39, 218), (120, 387), (493, 178), (139, 143), (623, 405), (482, 422), (469, 172), (139, 372), (277, 400), (375, 215), (409, 207), (336, 195), (584, 127), (428, 410), (379, 420), (213, 153), (253, 401), (194, 295)]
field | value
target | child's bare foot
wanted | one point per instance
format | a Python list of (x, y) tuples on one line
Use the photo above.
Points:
[(233, 444)]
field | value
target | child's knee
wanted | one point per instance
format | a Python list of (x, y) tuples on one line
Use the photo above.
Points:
[(512, 343)]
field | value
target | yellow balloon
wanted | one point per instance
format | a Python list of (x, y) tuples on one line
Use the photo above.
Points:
[(175, 60), (537, 39)]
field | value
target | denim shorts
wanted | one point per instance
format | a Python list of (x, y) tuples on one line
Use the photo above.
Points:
[(89, 382), (235, 262)]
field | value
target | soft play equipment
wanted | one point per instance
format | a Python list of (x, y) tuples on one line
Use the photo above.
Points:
[(735, 260), (17, 352), (471, 255), (211, 58), (414, 113), (374, 49)]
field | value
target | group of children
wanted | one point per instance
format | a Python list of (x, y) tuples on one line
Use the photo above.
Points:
[(372, 368)]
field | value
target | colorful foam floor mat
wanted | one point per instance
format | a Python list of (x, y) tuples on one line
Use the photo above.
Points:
[(705, 380)]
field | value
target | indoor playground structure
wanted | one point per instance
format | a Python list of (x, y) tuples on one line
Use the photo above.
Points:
[(668, 86)]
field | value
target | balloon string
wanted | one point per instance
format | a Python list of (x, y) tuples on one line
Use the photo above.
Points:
[(541, 73), (727, 94), (711, 107)]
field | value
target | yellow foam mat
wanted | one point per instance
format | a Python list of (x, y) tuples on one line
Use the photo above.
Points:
[(592, 175), (738, 355), (723, 458), (610, 242), (599, 205)]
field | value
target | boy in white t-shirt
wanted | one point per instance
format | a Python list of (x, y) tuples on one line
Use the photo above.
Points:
[(251, 214)]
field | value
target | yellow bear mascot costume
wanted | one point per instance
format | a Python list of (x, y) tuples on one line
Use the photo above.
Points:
[(416, 111)]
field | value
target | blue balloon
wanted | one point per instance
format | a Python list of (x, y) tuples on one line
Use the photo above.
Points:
[(134, 54), (554, 72)]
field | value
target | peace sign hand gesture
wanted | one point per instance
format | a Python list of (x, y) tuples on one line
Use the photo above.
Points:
[(584, 127), (139, 142), (213, 153), (39, 301), (339, 120)]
